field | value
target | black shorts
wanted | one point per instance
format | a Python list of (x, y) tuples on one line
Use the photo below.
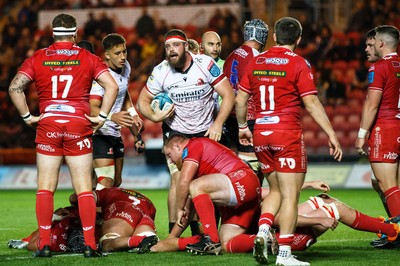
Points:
[(231, 131), (107, 147), (167, 132)]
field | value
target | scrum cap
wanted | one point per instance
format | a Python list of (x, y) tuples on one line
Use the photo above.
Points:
[(256, 30)]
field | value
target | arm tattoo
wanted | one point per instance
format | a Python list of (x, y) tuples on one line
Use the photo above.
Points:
[(19, 84)]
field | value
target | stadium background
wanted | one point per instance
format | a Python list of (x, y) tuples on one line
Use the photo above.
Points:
[(333, 41)]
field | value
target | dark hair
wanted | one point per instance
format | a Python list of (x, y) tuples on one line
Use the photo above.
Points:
[(175, 32), (86, 45), (370, 34), (288, 30), (111, 40), (64, 20), (391, 34)]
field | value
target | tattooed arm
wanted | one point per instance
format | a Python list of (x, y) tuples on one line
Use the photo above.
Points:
[(16, 91)]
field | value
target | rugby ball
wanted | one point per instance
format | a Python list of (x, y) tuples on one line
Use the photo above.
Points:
[(162, 100)]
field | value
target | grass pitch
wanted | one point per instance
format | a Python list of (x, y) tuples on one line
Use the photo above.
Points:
[(344, 246)]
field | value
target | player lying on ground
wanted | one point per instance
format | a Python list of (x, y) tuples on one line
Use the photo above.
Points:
[(315, 217)]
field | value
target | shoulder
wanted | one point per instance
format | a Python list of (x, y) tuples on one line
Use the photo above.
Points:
[(162, 67)]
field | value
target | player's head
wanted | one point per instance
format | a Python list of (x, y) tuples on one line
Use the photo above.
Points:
[(387, 37), (369, 46), (256, 30), (64, 27), (86, 45), (174, 148), (115, 50), (176, 46), (287, 31), (193, 46), (211, 44)]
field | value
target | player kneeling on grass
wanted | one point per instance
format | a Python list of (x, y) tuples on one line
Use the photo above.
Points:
[(315, 217), (128, 220), (212, 174)]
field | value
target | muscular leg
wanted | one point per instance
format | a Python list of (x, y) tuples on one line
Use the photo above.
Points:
[(388, 179), (48, 172), (80, 168), (119, 165), (116, 226)]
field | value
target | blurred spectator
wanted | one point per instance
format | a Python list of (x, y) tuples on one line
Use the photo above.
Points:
[(90, 25), (145, 24), (105, 24)]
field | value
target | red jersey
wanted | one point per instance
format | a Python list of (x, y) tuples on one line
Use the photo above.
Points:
[(63, 75), (107, 196), (384, 76), (234, 68), (212, 157), (277, 79)]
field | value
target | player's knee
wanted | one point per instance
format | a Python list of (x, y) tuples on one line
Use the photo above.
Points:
[(105, 176), (332, 209)]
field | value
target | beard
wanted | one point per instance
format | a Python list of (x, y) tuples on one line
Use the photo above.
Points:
[(179, 62)]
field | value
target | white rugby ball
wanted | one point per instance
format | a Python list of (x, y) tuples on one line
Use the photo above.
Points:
[(162, 100)]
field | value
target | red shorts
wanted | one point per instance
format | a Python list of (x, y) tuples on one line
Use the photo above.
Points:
[(246, 185), (130, 214), (384, 143), (56, 137), (281, 151), (242, 215)]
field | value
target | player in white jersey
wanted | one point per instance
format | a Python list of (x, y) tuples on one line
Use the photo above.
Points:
[(190, 81), (108, 148)]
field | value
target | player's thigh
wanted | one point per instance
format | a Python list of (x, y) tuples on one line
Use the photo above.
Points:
[(386, 173), (80, 168), (290, 183), (48, 171), (117, 226)]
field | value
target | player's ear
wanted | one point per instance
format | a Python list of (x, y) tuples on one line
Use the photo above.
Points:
[(107, 55), (201, 45)]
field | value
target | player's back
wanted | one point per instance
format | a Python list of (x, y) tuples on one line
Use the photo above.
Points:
[(63, 75), (277, 79), (384, 75)]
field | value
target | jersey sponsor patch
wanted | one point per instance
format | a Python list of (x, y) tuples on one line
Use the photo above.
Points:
[(277, 61), (185, 153), (273, 73), (268, 120), (371, 77), (214, 69), (62, 63)]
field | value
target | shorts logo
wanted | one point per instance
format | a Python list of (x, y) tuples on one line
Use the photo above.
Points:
[(44, 147), (290, 162), (125, 215), (264, 166), (242, 191), (390, 156)]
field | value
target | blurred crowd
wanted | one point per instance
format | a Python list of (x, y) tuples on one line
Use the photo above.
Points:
[(338, 58)]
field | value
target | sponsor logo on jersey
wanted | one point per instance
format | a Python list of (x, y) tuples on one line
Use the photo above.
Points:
[(390, 156), (371, 76), (241, 52), (60, 108), (269, 73), (290, 54), (185, 153), (267, 120), (44, 147), (214, 69), (62, 63), (188, 96), (275, 61), (269, 147)]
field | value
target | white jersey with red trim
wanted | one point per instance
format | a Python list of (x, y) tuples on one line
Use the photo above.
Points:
[(191, 91), (97, 92)]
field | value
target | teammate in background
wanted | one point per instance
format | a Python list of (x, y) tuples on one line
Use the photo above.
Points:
[(211, 45), (108, 147), (128, 220), (212, 174), (189, 81), (279, 81), (315, 217), (255, 38), (86, 45), (380, 116), (193, 46), (63, 75)]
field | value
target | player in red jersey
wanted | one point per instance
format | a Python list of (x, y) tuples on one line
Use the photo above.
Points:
[(381, 116), (279, 81), (212, 174), (128, 220), (63, 74), (255, 38)]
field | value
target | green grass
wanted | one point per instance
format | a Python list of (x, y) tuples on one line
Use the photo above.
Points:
[(344, 246)]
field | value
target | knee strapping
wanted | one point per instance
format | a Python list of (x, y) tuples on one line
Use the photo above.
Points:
[(331, 210), (109, 236), (105, 171), (315, 202)]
